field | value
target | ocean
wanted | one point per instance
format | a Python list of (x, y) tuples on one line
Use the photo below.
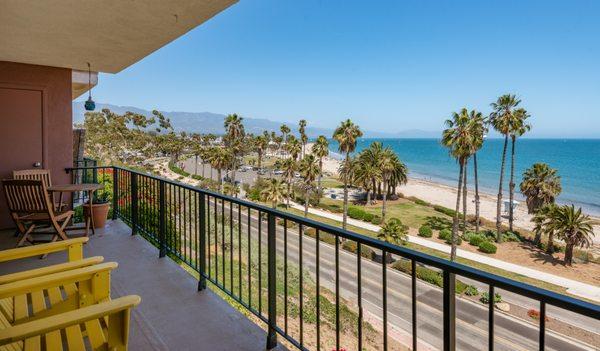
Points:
[(577, 162)]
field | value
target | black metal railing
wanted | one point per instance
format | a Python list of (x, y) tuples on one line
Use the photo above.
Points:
[(317, 285)]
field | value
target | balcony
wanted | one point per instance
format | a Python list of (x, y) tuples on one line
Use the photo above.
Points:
[(195, 254)]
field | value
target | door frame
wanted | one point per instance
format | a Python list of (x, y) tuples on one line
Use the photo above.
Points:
[(44, 90)]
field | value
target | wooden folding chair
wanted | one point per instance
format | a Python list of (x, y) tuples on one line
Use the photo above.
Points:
[(44, 176), (30, 206)]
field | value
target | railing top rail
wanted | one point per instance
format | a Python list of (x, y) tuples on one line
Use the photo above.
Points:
[(562, 301)]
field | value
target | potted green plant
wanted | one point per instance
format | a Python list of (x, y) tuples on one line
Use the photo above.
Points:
[(101, 206)]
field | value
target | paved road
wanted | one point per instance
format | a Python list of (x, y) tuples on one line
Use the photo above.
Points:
[(471, 332)]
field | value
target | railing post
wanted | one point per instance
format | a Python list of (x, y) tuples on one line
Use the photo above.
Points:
[(272, 282), (115, 195), (202, 243), (162, 230), (449, 311), (134, 203)]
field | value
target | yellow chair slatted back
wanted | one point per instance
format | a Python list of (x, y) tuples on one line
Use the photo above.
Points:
[(39, 297), (34, 174), (104, 326), (27, 196)]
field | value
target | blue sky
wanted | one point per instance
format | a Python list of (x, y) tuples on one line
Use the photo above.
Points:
[(388, 65)]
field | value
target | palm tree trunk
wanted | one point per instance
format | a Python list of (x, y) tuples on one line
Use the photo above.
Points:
[(457, 209), (569, 254), (511, 184), (464, 199), (345, 214), (259, 159), (289, 191), (550, 244), (476, 193), (499, 204), (383, 204), (368, 196), (203, 164), (195, 164), (220, 180), (319, 189)]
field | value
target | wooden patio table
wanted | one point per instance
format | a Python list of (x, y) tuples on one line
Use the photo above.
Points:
[(73, 188)]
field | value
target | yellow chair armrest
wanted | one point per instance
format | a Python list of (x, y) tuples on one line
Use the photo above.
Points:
[(39, 272), (74, 246), (45, 325), (53, 280)]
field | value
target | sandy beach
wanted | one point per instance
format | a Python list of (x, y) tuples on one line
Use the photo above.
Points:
[(440, 194)]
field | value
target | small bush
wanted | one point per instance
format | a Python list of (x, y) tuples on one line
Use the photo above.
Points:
[(356, 213), (475, 240), (445, 234), (449, 240), (444, 210), (289, 224), (425, 231), (468, 235), (471, 291), (368, 217), (418, 201), (485, 298), (535, 314), (487, 247), (428, 275), (351, 246), (511, 237), (376, 220), (438, 223)]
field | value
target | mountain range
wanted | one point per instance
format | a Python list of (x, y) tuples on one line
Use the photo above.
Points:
[(208, 122)]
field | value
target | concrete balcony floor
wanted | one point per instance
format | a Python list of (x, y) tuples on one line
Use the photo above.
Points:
[(173, 315)]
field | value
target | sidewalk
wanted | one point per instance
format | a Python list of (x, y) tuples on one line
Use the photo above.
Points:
[(574, 287)]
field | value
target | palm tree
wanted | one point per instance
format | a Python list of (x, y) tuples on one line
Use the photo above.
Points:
[(367, 174), (284, 131), (386, 167), (573, 227), (399, 174), (289, 167), (458, 139), (220, 159), (303, 137), (260, 143), (541, 186), (542, 221), (346, 134), (274, 192), (479, 130), (501, 121), (320, 149), (393, 232), (235, 134), (309, 171), (293, 147), (518, 128)]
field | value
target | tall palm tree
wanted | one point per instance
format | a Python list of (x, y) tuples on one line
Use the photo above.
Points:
[(540, 185), (367, 174), (393, 232), (574, 228), (309, 171), (289, 167), (320, 149), (235, 134), (542, 227), (260, 143), (458, 140), (293, 147), (399, 174), (479, 129), (501, 121), (274, 192), (386, 166), (346, 134), (303, 136), (284, 131), (518, 128)]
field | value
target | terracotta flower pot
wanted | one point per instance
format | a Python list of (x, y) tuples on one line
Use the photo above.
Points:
[(100, 213)]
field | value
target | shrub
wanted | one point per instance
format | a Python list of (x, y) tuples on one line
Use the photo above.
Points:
[(376, 220), (468, 235), (418, 201), (355, 212), (449, 240), (485, 298), (428, 275), (368, 217), (475, 240), (351, 246), (438, 223), (324, 237), (312, 232), (425, 231), (535, 314), (471, 291), (511, 237), (289, 224), (445, 234), (487, 247), (444, 210)]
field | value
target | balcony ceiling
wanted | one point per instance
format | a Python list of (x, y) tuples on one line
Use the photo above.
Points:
[(110, 34)]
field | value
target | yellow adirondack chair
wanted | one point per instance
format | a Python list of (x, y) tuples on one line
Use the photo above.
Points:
[(74, 248), (34, 298), (104, 326)]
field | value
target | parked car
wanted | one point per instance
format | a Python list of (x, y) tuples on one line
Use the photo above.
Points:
[(278, 172)]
